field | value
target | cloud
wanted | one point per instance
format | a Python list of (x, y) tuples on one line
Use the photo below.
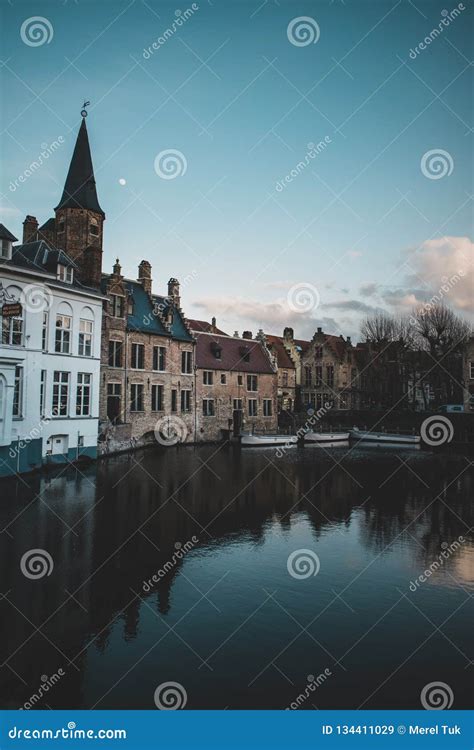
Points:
[(369, 289), (354, 305)]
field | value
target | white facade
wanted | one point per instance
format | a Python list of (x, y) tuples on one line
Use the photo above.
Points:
[(49, 370)]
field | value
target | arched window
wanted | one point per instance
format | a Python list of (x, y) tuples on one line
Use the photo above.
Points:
[(12, 325), (94, 227), (62, 339), (86, 332)]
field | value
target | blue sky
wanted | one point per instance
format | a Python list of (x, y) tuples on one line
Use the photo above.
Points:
[(361, 224)]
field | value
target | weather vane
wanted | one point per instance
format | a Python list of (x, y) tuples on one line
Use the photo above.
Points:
[(84, 110)]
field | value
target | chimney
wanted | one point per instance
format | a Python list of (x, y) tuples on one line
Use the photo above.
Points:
[(320, 330), (236, 335), (173, 292), (247, 335), (144, 276), (117, 268), (288, 334), (261, 336), (30, 229), (91, 271), (213, 325), (348, 340)]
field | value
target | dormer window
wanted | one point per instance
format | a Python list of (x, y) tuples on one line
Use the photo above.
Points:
[(117, 304), (216, 350), (5, 249), (94, 229), (65, 273)]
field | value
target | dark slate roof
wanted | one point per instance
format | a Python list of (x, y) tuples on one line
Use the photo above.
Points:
[(275, 344), (41, 258), (49, 225), (232, 354), (178, 327), (5, 234), (202, 326), (80, 189)]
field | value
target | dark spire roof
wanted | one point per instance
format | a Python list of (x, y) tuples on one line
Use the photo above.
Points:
[(80, 190), (5, 234)]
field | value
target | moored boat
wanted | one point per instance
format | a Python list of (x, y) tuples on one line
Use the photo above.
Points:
[(383, 437), (325, 437), (255, 440)]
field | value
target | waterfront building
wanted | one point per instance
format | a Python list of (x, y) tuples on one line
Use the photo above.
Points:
[(49, 358), (236, 386), (286, 373)]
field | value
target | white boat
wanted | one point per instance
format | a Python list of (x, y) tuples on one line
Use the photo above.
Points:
[(325, 437), (384, 437), (287, 440)]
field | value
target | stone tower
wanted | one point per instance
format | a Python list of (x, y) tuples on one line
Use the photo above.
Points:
[(79, 217)]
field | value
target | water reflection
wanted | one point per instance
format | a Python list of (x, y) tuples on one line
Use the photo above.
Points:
[(377, 517)]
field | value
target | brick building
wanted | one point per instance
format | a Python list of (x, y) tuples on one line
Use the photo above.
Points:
[(468, 375), (286, 373), (236, 386), (327, 372)]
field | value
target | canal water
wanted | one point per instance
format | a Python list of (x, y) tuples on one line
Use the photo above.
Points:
[(243, 577)]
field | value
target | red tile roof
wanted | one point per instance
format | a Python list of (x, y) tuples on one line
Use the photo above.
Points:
[(275, 344), (202, 326), (232, 354)]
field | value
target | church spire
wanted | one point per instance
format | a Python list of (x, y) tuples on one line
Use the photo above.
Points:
[(80, 188)]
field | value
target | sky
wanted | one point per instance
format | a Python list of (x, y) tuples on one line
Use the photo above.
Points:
[(263, 227)]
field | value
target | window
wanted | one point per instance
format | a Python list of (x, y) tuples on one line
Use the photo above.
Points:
[(114, 402), (252, 404), (5, 249), (159, 358), (42, 392), (208, 407), (60, 394), (61, 226), (85, 337), (237, 405), (94, 229), (208, 377), (12, 330), (44, 332), (65, 273), (63, 334), (330, 375), (117, 305), (307, 376), (157, 392), (83, 395), (174, 400), (284, 378), (471, 370), (136, 397), (240, 380), (319, 375), (185, 401), (318, 352), (115, 353), (252, 383), (18, 393), (223, 378), (186, 362), (138, 357), (267, 407)]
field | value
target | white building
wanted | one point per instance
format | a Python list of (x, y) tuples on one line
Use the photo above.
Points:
[(49, 358)]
